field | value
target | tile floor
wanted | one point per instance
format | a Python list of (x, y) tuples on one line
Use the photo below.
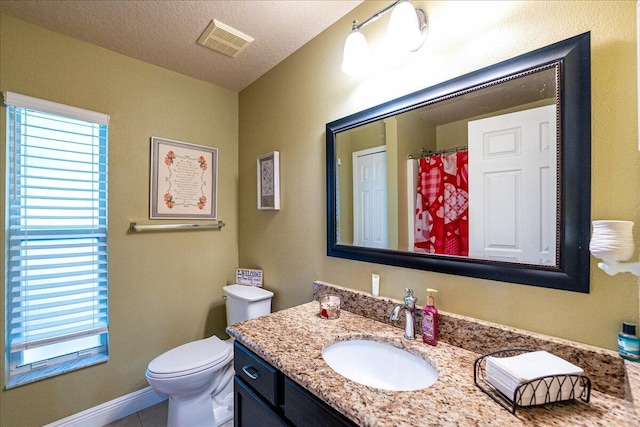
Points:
[(153, 416)]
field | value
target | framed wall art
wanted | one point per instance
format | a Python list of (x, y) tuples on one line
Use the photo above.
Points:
[(269, 181), (184, 180)]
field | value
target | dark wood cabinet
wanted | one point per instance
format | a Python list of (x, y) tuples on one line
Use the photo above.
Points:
[(250, 410), (265, 397), (304, 409)]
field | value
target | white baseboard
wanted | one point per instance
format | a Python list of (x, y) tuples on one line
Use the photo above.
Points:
[(112, 410)]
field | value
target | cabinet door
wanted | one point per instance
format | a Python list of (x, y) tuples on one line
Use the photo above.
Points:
[(305, 410), (250, 410)]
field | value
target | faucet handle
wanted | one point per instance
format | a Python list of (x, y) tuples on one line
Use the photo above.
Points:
[(409, 299)]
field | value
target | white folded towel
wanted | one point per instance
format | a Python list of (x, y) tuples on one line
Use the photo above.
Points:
[(507, 373)]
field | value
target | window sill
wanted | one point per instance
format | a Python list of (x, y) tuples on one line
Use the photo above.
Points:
[(17, 380)]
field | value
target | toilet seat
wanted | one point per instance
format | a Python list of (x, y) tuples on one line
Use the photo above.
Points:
[(190, 358)]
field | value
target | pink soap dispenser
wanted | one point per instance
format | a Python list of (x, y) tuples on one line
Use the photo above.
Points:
[(430, 320)]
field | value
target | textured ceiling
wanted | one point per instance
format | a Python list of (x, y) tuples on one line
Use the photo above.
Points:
[(165, 32)]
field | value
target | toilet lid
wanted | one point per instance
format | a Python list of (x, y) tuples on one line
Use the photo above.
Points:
[(190, 358), (246, 292)]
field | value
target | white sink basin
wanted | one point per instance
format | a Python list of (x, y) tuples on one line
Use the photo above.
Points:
[(379, 365)]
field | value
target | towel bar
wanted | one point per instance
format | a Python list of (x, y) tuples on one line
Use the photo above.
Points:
[(134, 226)]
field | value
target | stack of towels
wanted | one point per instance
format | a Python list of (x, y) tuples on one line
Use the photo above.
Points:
[(507, 373)]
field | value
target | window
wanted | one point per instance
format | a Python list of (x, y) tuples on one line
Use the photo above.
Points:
[(56, 238)]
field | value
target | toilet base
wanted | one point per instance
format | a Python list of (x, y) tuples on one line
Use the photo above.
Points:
[(221, 414), (208, 410), (224, 413)]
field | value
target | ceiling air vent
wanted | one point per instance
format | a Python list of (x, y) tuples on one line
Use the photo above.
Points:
[(224, 39)]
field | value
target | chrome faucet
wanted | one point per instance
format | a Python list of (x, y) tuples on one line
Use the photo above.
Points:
[(409, 307)]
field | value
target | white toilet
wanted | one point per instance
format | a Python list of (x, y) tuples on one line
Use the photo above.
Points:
[(198, 376)]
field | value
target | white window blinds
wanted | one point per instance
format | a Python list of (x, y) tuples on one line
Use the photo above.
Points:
[(57, 317)]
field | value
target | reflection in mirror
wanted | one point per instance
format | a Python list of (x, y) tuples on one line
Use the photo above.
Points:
[(472, 176), (479, 153)]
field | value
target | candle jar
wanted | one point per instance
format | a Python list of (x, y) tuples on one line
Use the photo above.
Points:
[(329, 307)]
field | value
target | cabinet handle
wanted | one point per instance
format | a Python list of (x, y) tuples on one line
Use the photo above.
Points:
[(246, 368)]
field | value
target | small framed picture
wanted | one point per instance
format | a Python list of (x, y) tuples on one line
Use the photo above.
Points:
[(269, 181)]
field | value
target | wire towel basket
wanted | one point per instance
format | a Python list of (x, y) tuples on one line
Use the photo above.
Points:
[(537, 391)]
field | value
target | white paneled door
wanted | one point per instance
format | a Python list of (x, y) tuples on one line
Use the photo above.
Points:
[(370, 198), (513, 187)]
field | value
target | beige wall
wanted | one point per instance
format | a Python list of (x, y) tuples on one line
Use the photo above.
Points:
[(287, 109), (164, 288), (362, 138)]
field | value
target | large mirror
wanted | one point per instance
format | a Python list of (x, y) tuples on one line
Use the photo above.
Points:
[(486, 175)]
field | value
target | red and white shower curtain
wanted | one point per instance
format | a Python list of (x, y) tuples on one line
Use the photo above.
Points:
[(442, 205)]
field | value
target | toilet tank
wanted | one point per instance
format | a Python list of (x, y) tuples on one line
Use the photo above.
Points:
[(245, 302)]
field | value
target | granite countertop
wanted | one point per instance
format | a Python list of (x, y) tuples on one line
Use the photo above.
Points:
[(292, 341)]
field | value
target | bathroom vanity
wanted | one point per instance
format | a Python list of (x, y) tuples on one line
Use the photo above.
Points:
[(264, 396), (285, 350)]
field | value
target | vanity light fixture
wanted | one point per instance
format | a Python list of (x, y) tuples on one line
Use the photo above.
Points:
[(407, 31), (612, 242)]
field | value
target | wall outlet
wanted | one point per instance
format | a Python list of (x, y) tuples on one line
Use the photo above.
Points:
[(375, 284)]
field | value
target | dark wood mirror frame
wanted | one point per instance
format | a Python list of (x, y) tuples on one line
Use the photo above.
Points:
[(574, 147)]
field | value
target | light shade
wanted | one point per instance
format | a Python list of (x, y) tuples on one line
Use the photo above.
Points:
[(404, 27), (407, 31), (356, 57)]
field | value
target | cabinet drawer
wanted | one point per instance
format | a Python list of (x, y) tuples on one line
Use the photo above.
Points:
[(256, 373)]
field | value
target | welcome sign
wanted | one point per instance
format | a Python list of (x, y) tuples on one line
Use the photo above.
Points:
[(245, 276)]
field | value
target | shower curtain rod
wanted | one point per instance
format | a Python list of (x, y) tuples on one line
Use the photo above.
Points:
[(425, 153)]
